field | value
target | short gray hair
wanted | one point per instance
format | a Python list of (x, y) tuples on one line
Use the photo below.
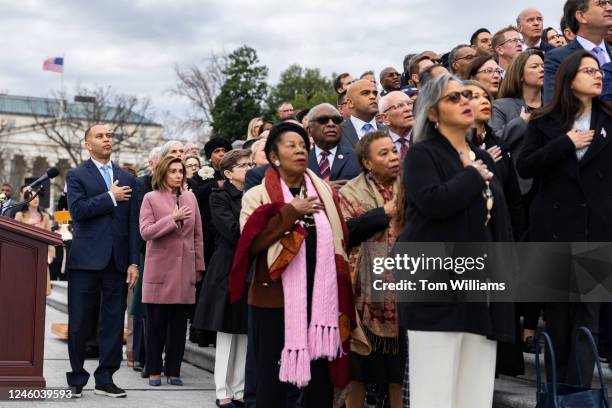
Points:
[(311, 112), (452, 55), (165, 149), (231, 158), (428, 99), (155, 153)]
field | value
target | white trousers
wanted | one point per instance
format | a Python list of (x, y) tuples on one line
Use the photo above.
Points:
[(451, 370), (230, 360)]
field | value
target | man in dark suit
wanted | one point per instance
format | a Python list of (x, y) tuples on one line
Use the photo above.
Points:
[(324, 128), (361, 98), (530, 24), (590, 20), (105, 248)]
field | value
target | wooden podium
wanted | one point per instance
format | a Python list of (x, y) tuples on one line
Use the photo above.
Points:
[(23, 275)]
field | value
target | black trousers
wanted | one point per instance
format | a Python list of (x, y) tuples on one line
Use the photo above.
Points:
[(562, 321), (269, 336), (166, 326), (85, 290)]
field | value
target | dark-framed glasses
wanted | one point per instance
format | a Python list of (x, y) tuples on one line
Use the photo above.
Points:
[(491, 71), (192, 166), (592, 72), (400, 105), (604, 3), (324, 120), (455, 97), (245, 165)]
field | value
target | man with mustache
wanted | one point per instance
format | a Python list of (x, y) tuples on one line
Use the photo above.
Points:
[(362, 101)]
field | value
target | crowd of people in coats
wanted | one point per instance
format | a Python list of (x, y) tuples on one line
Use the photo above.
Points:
[(258, 248)]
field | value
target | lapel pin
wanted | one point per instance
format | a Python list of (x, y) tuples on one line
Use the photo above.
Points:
[(341, 156), (603, 132)]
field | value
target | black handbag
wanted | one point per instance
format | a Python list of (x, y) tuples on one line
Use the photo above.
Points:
[(553, 395)]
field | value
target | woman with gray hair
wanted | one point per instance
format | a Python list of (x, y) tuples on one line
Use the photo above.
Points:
[(214, 311), (452, 196), (172, 148)]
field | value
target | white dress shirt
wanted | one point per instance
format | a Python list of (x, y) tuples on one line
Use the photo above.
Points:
[(588, 45), (330, 157), (358, 124), (110, 171), (395, 137)]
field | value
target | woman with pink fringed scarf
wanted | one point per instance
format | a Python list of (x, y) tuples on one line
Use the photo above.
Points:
[(300, 293)]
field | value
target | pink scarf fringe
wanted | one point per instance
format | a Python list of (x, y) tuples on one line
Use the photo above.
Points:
[(322, 338)]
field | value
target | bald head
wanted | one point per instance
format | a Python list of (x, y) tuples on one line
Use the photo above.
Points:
[(530, 24), (361, 99)]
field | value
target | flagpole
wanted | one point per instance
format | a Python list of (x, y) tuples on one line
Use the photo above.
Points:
[(62, 94)]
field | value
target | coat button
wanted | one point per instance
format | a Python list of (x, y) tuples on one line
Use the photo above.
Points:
[(583, 203), (556, 206), (555, 236), (266, 284)]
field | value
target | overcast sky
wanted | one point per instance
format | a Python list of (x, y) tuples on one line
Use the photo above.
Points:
[(132, 46)]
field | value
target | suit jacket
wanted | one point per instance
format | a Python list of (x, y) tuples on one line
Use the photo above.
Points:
[(510, 127), (344, 168), (174, 253), (349, 133), (101, 230), (553, 59), (544, 47), (573, 200)]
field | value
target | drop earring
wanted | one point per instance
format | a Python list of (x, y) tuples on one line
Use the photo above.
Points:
[(436, 125), (277, 163)]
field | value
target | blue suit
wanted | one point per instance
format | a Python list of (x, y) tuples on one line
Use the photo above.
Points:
[(553, 59), (105, 242), (344, 168)]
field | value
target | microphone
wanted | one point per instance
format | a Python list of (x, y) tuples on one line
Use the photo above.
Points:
[(50, 174), (178, 195)]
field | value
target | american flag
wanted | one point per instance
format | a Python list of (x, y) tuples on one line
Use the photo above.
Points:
[(54, 64)]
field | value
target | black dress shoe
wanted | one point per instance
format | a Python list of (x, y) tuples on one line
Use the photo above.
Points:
[(138, 366), (78, 391), (228, 405), (110, 390)]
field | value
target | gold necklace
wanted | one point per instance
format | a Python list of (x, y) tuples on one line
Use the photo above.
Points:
[(488, 196)]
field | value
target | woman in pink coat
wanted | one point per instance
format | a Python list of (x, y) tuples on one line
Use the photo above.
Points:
[(170, 223)]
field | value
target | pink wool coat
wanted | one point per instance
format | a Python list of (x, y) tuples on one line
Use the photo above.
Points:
[(174, 253)]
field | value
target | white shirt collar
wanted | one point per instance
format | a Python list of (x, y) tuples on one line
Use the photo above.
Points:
[(358, 123), (332, 151), (395, 137), (99, 165), (588, 45)]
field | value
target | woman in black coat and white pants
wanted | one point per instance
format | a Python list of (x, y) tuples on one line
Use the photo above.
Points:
[(448, 184), (567, 152), (214, 311)]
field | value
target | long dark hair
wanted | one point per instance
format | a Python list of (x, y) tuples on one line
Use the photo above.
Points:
[(564, 105)]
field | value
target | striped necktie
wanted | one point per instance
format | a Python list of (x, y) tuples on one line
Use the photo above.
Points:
[(324, 167), (403, 147)]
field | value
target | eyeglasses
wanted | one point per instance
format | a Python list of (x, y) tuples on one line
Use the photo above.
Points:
[(455, 97), (245, 165), (604, 3), (400, 105), (468, 57), (515, 41), (592, 72), (192, 166), (491, 71), (557, 36), (324, 120)]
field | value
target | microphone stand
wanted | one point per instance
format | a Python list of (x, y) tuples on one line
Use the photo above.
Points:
[(36, 194)]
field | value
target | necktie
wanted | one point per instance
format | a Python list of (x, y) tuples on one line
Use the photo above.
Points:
[(599, 54), (366, 128), (324, 167), (106, 174), (403, 147)]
